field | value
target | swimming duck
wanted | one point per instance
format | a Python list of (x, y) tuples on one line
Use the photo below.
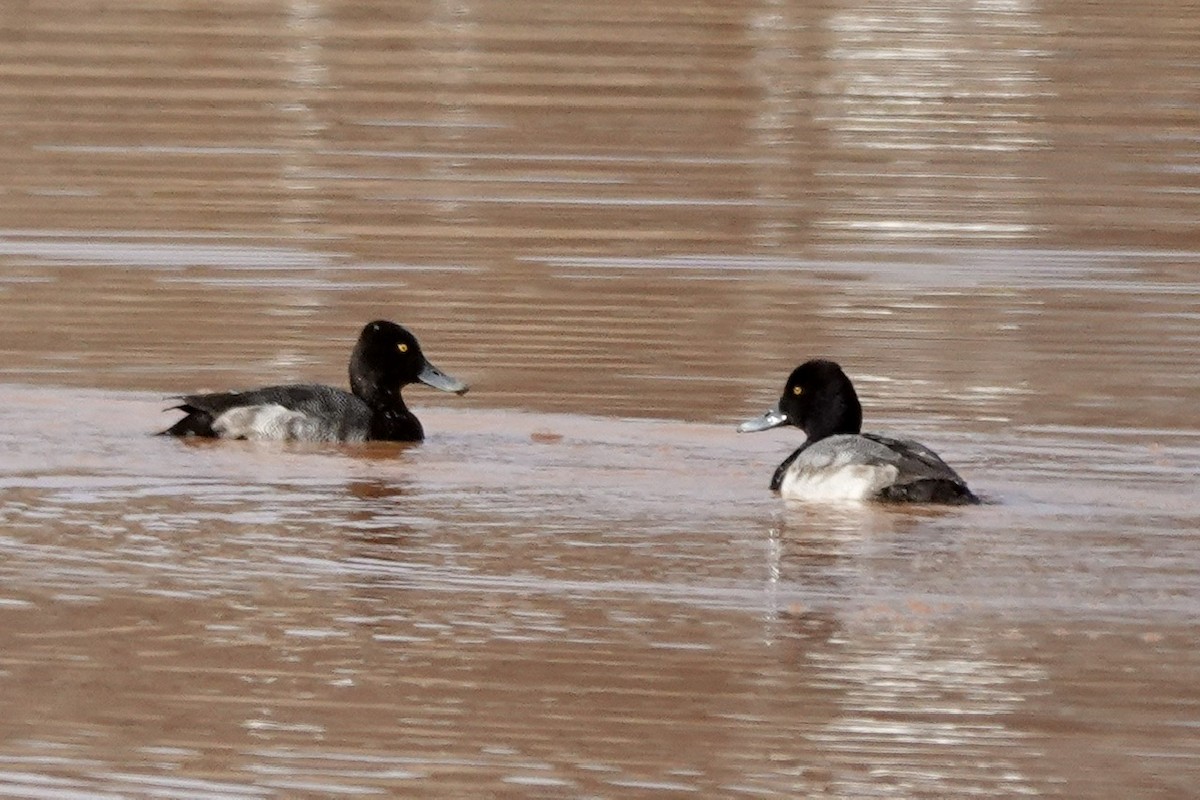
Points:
[(839, 462), (386, 358)]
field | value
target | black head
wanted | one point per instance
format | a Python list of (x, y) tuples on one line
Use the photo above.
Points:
[(818, 398), (386, 358)]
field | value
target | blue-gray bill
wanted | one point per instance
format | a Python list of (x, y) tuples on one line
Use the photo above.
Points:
[(772, 419), (432, 376)]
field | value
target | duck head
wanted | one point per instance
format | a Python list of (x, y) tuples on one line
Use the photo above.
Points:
[(818, 398)]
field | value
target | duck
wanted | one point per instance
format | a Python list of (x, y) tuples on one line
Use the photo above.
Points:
[(838, 462), (386, 358)]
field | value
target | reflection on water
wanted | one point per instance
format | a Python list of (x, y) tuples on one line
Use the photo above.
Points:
[(1033, 336), (624, 223), (554, 602), (625, 129)]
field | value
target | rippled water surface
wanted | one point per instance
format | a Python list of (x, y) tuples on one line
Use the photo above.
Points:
[(623, 224)]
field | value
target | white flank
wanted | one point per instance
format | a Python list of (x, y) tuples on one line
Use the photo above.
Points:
[(262, 422), (845, 482)]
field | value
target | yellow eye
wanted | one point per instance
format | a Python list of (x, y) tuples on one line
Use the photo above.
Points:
[(402, 347), (796, 390)]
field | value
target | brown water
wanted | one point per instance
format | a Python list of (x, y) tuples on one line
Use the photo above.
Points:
[(623, 223)]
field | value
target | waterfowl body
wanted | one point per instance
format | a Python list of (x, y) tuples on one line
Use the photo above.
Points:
[(839, 462), (385, 359)]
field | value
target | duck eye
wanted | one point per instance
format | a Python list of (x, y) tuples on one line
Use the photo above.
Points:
[(797, 390), (402, 347)]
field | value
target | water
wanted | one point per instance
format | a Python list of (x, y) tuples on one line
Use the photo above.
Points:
[(623, 225)]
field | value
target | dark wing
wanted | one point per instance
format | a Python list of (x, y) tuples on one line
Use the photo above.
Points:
[(923, 476), (333, 414)]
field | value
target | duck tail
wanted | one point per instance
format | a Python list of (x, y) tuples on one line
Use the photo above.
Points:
[(195, 422), (932, 490)]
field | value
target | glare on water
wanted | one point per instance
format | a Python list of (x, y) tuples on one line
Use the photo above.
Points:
[(623, 224)]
